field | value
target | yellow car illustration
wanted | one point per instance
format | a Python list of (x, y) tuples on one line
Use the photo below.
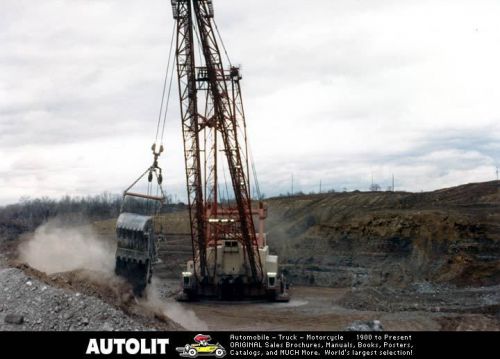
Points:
[(202, 348)]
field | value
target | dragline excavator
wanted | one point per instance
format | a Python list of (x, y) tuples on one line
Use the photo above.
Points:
[(230, 257), (231, 260)]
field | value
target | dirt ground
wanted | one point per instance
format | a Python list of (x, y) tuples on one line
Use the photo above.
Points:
[(317, 308)]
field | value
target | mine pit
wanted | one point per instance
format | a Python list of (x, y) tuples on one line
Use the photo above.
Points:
[(421, 292)]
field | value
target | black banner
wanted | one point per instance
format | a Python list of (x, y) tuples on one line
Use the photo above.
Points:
[(251, 344)]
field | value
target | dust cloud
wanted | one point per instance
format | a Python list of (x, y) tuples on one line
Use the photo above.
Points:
[(173, 310), (56, 248)]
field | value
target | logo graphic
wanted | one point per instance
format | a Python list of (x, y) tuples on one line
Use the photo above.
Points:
[(203, 347)]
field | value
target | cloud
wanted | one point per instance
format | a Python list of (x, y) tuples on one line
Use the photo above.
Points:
[(334, 91)]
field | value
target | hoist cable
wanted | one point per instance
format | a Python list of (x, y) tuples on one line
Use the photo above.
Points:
[(165, 84), (222, 42), (254, 172), (225, 180), (168, 101)]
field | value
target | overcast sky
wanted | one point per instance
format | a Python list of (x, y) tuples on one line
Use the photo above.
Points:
[(335, 90)]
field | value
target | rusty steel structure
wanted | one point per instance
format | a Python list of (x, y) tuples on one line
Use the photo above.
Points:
[(230, 258), (213, 121)]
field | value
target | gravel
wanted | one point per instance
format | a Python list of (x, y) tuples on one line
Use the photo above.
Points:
[(28, 304), (365, 326)]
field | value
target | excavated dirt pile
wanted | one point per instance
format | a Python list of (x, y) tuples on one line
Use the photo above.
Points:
[(30, 304)]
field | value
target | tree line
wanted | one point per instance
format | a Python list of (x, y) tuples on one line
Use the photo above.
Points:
[(28, 213)]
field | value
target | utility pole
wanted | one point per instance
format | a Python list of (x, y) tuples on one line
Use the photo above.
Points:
[(393, 182), (321, 183), (292, 184)]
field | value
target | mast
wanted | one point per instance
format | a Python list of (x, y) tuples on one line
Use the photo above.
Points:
[(186, 74), (224, 117)]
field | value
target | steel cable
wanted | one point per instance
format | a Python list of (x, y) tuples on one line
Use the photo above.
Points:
[(165, 84)]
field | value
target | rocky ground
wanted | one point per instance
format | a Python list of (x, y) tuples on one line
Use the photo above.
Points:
[(77, 300), (427, 297), (29, 304)]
